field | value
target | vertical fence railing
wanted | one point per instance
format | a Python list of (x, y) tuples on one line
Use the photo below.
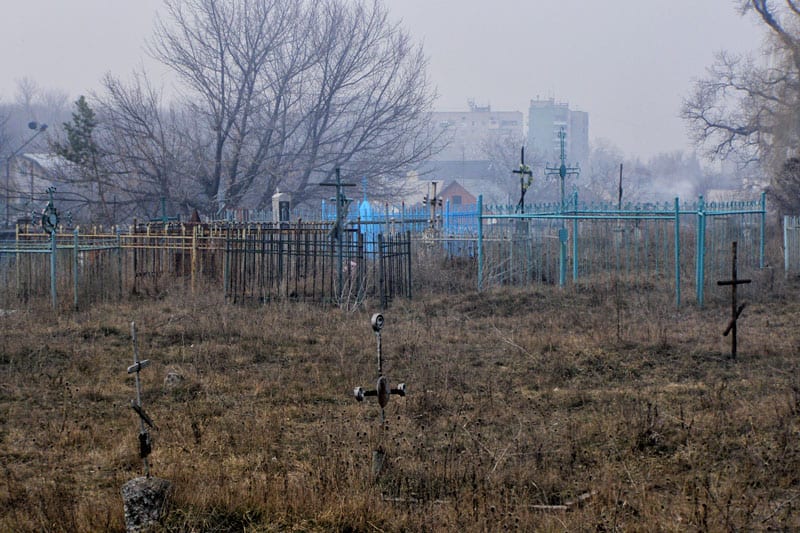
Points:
[(791, 244), (263, 261), (632, 241)]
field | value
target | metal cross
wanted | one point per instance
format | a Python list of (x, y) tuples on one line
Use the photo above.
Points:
[(563, 170), (164, 218), (342, 202), (432, 201), (145, 445), (735, 311), (50, 213), (382, 389), (523, 171), (341, 205)]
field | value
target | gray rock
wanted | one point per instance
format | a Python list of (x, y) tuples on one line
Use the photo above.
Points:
[(145, 500), (172, 380)]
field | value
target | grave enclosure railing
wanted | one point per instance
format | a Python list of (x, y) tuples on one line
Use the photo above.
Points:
[(247, 262), (674, 246), (677, 245)]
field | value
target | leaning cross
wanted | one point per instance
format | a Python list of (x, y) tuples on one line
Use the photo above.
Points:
[(735, 311), (145, 446), (382, 388), (523, 171)]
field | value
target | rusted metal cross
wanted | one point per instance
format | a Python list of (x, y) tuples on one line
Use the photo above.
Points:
[(382, 388), (735, 311), (145, 445)]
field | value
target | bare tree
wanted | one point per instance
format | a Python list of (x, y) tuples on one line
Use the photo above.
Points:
[(147, 147), (281, 90), (748, 109)]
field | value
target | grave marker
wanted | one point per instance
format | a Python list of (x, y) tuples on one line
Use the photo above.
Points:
[(735, 311), (523, 171), (382, 388), (383, 391), (145, 444), (337, 232)]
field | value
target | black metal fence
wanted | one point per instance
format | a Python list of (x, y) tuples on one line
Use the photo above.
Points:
[(310, 265), (249, 263)]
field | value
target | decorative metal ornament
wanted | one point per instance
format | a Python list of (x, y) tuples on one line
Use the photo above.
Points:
[(383, 390)]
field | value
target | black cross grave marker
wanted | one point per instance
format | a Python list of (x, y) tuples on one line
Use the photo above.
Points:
[(735, 311), (523, 171), (337, 232), (341, 205)]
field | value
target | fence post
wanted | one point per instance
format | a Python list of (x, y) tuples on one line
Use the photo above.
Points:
[(701, 251), (119, 264), (53, 251), (17, 259), (480, 242), (786, 246), (763, 225), (225, 269), (194, 258), (75, 269), (381, 272), (575, 237), (408, 254), (677, 253)]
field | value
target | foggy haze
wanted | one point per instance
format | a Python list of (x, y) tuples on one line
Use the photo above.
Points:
[(628, 63)]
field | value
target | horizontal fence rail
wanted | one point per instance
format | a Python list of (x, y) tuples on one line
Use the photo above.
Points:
[(249, 263), (675, 245)]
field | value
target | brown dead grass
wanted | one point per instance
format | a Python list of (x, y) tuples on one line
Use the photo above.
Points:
[(517, 399)]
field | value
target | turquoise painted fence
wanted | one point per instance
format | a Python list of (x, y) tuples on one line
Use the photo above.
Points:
[(678, 243), (681, 244)]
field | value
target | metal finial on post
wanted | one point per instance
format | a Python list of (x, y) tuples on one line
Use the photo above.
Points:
[(145, 445)]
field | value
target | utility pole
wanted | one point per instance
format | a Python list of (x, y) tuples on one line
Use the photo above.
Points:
[(40, 128)]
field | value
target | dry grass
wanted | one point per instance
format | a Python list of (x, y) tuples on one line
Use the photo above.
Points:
[(517, 399)]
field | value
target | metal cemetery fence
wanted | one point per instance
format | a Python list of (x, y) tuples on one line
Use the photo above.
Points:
[(308, 265), (675, 245), (791, 244), (253, 262), (671, 244)]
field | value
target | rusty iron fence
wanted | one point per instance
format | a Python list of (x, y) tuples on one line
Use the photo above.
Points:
[(247, 262)]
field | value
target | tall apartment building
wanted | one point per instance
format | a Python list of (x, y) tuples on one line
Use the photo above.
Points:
[(469, 159), (470, 133), (545, 120)]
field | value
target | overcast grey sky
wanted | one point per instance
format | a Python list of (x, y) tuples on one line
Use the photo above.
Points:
[(627, 62)]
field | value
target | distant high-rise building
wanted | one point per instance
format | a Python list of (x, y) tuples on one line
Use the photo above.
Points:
[(471, 133), (545, 120)]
